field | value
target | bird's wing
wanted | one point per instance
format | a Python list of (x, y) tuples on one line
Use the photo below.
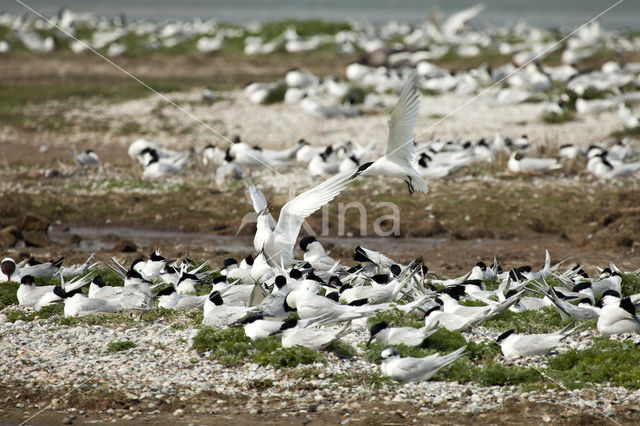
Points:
[(402, 121), (259, 202), (297, 210), (456, 22)]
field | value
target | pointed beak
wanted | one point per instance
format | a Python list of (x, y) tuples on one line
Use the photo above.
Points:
[(379, 359), (369, 342), (264, 212)]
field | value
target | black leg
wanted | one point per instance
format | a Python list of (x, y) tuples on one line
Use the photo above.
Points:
[(410, 185)]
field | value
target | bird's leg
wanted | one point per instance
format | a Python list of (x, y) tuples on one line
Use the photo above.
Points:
[(410, 185)]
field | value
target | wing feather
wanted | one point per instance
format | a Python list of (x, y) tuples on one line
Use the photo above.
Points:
[(297, 210), (260, 203), (402, 121)]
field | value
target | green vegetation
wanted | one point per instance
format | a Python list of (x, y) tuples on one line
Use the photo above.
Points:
[(276, 95), (557, 118), (395, 318), (607, 361), (231, 347), (630, 284), (45, 312), (634, 132), (123, 345), (545, 320), (304, 28), (8, 294), (289, 357), (362, 378), (355, 95)]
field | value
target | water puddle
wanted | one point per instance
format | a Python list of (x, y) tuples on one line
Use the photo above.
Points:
[(104, 238)]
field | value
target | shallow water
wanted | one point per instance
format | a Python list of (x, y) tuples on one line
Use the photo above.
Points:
[(104, 238), (545, 13)]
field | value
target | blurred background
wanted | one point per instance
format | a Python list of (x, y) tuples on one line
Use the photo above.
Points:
[(546, 13)]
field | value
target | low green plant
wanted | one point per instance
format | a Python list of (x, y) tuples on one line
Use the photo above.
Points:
[(276, 95), (394, 318), (362, 378), (289, 357), (8, 294), (123, 345), (355, 95), (341, 349), (545, 320), (630, 284), (607, 361), (557, 117), (43, 313), (495, 374)]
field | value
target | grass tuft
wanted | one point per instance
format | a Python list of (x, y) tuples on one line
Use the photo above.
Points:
[(123, 345), (607, 361)]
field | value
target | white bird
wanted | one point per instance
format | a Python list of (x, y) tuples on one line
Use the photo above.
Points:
[(9, 271), (67, 271), (136, 295), (415, 369), (259, 205), (155, 167), (382, 334), (87, 158), (518, 163), (217, 313), (298, 333), (314, 254), (629, 120), (309, 305), (580, 312), (212, 155), (100, 290), (256, 327), (278, 243), (518, 345), (398, 159), (169, 298), (210, 44), (618, 316), (187, 283), (456, 21), (228, 171), (79, 305), (28, 293)]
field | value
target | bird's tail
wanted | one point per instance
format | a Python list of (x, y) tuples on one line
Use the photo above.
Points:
[(419, 184), (453, 356), (569, 329)]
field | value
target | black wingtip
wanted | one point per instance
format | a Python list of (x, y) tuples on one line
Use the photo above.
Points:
[(361, 169)]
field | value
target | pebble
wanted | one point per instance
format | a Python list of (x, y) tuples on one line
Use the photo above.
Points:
[(54, 358)]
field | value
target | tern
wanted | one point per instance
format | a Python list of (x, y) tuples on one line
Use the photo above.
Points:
[(278, 243), (415, 369), (398, 159), (618, 316), (518, 345), (296, 333), (382, 334)]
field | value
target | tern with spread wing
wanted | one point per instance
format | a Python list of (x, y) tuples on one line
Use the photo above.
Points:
[(398, 159), (277, 244)]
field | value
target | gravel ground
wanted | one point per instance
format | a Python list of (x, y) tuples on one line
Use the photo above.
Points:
[(163, 369)]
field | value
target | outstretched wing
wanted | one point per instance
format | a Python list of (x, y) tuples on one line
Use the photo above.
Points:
[(297, 210), (402, 121), (260, 203)]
